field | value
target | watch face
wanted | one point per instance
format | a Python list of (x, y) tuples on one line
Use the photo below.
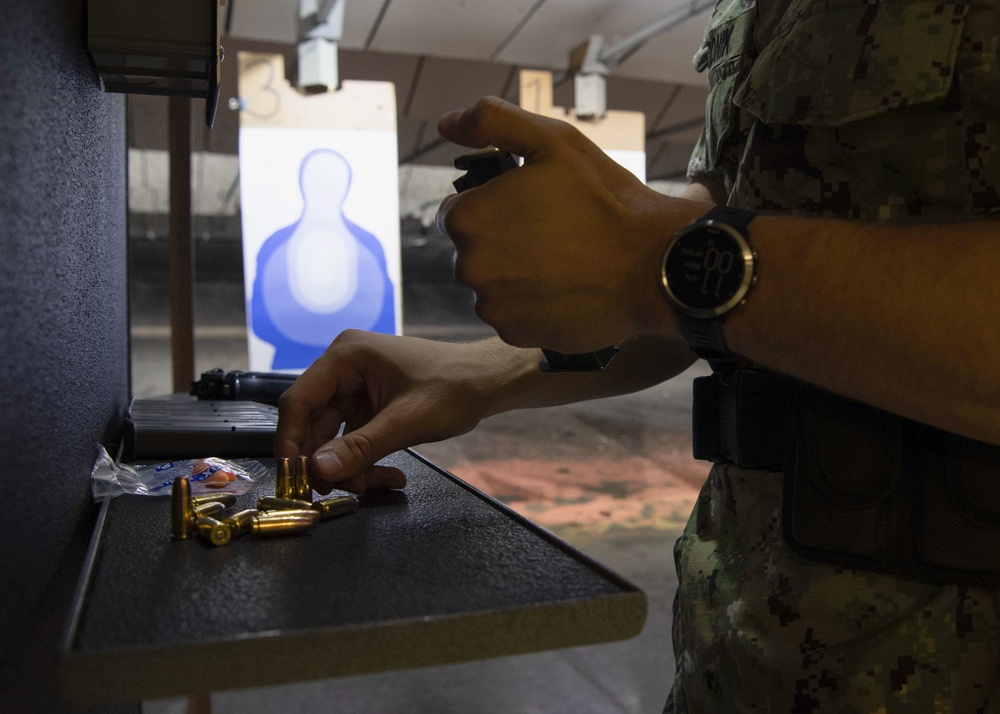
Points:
[(707, 269)]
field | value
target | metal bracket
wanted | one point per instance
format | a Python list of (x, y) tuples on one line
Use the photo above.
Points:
[(592, 61), (321, 26)]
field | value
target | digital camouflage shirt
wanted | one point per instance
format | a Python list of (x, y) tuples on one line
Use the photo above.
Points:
[(879, 111), (884, 111)]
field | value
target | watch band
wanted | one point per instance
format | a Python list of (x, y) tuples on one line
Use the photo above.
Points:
[(705, 335), (735, 217)]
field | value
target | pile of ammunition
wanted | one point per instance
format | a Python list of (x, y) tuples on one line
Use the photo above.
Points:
[(291, 511)]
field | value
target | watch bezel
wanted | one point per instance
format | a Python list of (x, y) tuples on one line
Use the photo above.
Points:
[(746, 253)]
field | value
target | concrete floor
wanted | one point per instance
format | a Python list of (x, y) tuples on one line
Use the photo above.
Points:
[(614, 478)]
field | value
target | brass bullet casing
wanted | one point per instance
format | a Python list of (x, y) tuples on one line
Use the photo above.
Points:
[(226, 499), (272, 503), (333, 507), (303, 488), (280, 525), (241, 523), (182, 513), (210, 509), (283, 479), (297, 513), (212, 530)]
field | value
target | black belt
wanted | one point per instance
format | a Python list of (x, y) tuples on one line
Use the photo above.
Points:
[(742, 418), (862, 488)]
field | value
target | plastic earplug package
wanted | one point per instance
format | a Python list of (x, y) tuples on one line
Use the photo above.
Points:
[(207, 476)]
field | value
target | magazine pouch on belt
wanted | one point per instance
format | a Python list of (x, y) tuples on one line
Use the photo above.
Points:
[(868, 489)]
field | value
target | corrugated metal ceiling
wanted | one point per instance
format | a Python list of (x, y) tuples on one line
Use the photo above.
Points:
[(443, 54)]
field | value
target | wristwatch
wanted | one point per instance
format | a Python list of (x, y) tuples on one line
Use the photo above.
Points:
[(708, 269)]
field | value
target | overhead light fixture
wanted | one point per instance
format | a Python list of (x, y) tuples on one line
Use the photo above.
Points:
[(321, 26)]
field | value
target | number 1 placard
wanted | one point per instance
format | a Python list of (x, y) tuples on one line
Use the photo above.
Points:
[(619, 134)]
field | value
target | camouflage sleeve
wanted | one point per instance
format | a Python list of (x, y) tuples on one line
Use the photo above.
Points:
[(724, 55), (698, 168), (697, 165), (897, 122)]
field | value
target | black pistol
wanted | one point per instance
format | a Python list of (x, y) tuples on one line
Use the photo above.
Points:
[(261, 387), (481, 166)]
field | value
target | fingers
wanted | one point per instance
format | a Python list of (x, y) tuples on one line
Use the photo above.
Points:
[(494, 122), (310, 412), (345, 463), (294, 432), (376, 477), (442, 213), (388, 392)]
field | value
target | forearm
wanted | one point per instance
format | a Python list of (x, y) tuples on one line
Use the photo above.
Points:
[(642, 361), (900, 317), (904, 318), (518, 383)]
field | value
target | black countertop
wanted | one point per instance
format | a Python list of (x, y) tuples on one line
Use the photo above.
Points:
[(433, 574)]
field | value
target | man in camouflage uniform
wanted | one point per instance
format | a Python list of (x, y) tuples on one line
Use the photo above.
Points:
[(878, 112), (881, 112)]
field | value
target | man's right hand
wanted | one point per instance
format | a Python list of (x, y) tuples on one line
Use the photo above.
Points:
[(389, 393)]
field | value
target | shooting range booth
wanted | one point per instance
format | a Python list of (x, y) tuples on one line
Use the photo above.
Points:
[(102, 608)]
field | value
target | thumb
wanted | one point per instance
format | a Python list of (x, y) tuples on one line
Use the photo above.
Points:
[(492, 121), (348, 462)]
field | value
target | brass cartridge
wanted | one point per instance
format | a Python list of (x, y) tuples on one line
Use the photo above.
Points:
[(303, 488), (212, 530), (272, 503), (283, 479), (182, 513), (210, 509), (280, 525), (297, 512), (242, 522), (333, 507), (226, 499)]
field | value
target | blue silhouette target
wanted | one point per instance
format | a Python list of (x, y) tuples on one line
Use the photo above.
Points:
[(322, 274)]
